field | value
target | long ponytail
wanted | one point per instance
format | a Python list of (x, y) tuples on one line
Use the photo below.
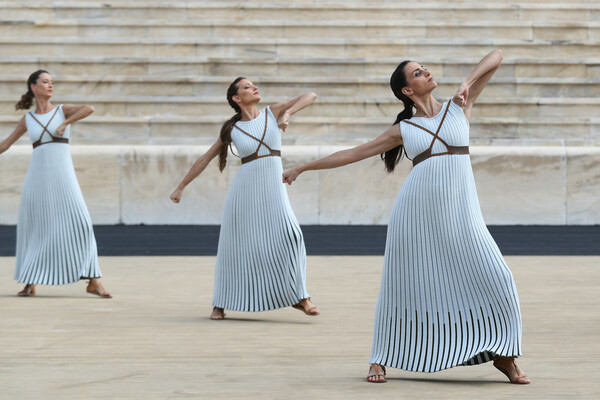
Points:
[(398, 81), (27, 99), (227, 126)]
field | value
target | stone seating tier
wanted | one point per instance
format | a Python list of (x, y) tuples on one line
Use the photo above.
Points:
[(257, 29), (217, 10), (157, 71)]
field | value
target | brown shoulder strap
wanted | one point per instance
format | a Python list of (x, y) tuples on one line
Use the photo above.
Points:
[(437, 132), (45, 127), (260, 142)]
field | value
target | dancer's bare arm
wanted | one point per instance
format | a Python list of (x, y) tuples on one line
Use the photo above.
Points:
[(472, 87), (283, 111), (14, 136), (196, 169), (384, 142), (73, 113)]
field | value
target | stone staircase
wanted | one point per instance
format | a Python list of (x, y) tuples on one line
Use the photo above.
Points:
[(157, 72)]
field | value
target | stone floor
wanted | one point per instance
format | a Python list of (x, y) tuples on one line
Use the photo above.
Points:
[(154, 340)]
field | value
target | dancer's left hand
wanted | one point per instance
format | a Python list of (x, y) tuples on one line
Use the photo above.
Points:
[(460, 98), (284, 120), (61, 130)]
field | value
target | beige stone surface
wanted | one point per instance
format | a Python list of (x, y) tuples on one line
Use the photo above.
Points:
[(98, 171), (523, 186), (583, 186), (154, 339), (550, 184), (138, 61), (150, 174), (360, 193), (305, 193), (13, 168)]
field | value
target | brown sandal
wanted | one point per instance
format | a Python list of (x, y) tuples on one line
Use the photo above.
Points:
[(97, 289), (521, 378), (218, 313), (28, 291), (377, 371), (311, 311)]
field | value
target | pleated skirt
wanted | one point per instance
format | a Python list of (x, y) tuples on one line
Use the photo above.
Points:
[(261, 258), (55, 238), (447, 297)]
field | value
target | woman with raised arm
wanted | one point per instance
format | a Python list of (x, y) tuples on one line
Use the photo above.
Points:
[(261, 258), (447, 297), (55, 238)]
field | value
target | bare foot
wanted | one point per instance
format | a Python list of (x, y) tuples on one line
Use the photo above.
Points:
[(307, 307), (95, 287), (376, 374), (509, 367), (28, 290), (217, 313)]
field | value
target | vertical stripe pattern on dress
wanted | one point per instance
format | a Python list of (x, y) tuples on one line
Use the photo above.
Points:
[(55, 238), (447, 297), (261, 257)]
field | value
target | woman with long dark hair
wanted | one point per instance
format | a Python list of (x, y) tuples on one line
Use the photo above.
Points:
[(447, 297), (261, 258), (55, 238)]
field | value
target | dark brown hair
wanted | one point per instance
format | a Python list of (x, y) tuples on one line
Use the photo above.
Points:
[(227, 127), (398, 81), (27, 99)]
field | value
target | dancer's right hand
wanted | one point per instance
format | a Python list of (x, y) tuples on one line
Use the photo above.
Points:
[(461, 96), (290, 175), (176, 196)]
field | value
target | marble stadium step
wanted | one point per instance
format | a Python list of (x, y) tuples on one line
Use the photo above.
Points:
[(304, 130), (274, 48), (354, 29), (539, 184), (518, 2), (290, 68), (326, 106), (264, 11), (165, 85)]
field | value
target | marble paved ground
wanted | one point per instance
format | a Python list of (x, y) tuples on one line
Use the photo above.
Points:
[(154, 340)]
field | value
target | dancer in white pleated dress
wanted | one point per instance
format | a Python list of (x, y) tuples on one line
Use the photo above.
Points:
[(261, 258), (447, 297), (55, 239)]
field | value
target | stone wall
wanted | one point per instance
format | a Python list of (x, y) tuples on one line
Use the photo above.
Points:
[(156, 73), (131, 184)]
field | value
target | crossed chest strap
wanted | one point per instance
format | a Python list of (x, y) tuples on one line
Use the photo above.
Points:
[(53, 139), (261, 143), (450, 149)]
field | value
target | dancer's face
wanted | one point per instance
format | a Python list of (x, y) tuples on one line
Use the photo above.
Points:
[(44, 87), (419, 80), (247, 93)]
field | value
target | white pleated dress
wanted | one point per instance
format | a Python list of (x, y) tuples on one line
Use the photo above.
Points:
[(447, 297), (55, 239), (261, 258)]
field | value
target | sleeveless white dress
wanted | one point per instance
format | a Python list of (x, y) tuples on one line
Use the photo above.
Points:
[(55, 239), (447, 297), (261, 258)]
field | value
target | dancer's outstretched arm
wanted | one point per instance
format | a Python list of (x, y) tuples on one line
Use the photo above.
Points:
[(196, 170), (14, 136), (472, 87), (284, 110), (73, 113), (386, 141)]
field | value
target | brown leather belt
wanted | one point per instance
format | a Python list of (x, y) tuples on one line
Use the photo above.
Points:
[(255, 156), (54, 140), (451, 150)]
